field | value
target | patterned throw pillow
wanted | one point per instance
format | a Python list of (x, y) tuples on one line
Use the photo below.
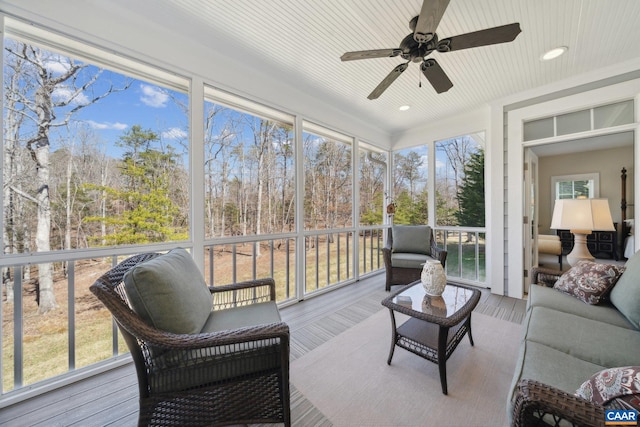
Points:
[(617, 388), (589, 281)]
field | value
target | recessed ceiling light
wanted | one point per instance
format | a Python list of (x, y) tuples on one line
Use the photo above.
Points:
[(553, 53), (404, 108)]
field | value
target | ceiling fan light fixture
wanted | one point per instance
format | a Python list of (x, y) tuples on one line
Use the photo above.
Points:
[(404, 107), (423, 40), (553, 53)]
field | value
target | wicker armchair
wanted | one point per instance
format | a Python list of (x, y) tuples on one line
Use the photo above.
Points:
[(545, 276), (225, 377), (538, 404), (407, 273)]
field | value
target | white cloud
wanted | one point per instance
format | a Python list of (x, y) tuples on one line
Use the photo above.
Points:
[(424, 164), (153, 96), (57, 64), (64, 94), (107, 125), (56, 67), (174, 133)]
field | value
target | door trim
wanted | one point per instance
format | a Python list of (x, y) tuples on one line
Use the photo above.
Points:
[(515, 159)]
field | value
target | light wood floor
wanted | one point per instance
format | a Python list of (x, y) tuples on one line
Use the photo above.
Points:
[(111, 398)]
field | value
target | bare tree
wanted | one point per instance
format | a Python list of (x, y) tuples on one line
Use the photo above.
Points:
[(12, 166), (61, 90)]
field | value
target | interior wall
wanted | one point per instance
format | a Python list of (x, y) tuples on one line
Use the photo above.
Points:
[(608, 163)]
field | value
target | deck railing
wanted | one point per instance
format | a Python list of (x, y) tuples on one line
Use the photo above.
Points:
[(79, 333), (465, 253)]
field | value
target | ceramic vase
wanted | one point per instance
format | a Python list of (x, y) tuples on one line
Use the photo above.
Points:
[(433, 278)]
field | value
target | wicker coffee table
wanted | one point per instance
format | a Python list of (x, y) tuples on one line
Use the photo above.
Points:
[(436, 325)]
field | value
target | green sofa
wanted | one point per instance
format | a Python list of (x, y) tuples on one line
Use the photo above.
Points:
[(566, 341)]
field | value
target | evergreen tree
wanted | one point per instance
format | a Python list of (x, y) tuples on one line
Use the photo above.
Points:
[(471, 193), (142, 209)]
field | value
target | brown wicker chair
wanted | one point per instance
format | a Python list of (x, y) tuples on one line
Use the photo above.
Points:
[(403, 275), (545, 276), (217, 378), (538, 404)]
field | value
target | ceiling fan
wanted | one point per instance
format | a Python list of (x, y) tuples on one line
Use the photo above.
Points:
[(416, 46)]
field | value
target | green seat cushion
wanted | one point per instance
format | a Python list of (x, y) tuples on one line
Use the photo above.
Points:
[(222, 363), (625, 295), (412, 239), (542, 296), (408, 260), (169, 293), (585, 339), (240, 317)]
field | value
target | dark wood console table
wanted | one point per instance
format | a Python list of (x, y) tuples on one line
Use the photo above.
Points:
[(601, 244)]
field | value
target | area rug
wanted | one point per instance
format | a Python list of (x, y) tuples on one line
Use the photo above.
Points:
[(348, 379)]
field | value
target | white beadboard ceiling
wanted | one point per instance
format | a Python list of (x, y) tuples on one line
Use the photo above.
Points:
[(302, 41)]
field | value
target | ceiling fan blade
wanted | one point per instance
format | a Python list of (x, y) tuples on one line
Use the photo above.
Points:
[(436, 75), (428, 20), (366, 54), (391, 77), (495, 35)]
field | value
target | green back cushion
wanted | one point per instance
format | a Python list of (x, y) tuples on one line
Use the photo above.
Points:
[(625, 295), (169, 293), (412, 239)]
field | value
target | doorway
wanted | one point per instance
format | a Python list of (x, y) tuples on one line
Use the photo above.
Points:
[(600, 98), (602, 158)]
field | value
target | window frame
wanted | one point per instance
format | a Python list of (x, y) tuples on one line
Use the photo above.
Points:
[(592, 176)]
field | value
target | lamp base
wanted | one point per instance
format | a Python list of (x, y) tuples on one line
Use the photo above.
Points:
[(580, 250)]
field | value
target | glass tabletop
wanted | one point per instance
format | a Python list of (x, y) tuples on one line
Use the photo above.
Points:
[(452, 299)]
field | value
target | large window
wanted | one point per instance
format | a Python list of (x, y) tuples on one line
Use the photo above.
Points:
[(249, 168), (460, 206), (328, 177), (458, 168), (410, 186), (249, 161), (93, 156), (328, 205), (460, 181), (99, 163)]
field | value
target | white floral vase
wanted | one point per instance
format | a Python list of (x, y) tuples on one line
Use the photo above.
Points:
[(433, 278)]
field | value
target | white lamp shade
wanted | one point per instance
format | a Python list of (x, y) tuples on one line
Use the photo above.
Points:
[(582, 214)]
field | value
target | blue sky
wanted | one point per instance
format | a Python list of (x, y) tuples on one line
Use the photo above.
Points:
[(145, 104)]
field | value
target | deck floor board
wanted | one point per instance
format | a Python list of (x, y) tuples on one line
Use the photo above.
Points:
[(111, 398)]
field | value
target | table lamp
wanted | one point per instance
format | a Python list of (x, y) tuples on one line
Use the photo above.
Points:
[(581, 217)]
